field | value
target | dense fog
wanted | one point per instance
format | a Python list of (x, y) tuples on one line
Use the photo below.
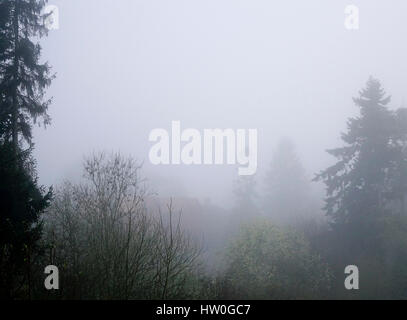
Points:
[(287, 68), (292, 70)]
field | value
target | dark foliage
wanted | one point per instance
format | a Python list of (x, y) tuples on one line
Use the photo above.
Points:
[(21, 204), (23, 79)]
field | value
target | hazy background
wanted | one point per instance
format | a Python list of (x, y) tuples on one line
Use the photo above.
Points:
[(287, 68)]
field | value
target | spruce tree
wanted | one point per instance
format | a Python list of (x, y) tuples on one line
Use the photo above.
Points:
[(286, 185), (23, 78), (358, 184), (23, 81), (21, 205)]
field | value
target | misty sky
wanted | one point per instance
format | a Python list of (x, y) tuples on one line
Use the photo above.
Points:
[(287, 68)]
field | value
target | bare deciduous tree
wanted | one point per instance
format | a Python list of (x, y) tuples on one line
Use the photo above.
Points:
[(106, 243)]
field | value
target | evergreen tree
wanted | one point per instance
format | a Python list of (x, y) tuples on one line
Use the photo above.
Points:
[(366, 191), (359, 184), (286, 185), (23, 78), (21, 202)]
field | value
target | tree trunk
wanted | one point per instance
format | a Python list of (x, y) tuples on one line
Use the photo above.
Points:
[(14, 116)]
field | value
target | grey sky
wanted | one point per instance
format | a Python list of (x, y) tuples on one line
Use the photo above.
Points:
[(287, 68)]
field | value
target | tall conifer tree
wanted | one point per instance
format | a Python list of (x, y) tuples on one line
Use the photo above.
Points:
[(23, 77), (23, 80), (359, 183)]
